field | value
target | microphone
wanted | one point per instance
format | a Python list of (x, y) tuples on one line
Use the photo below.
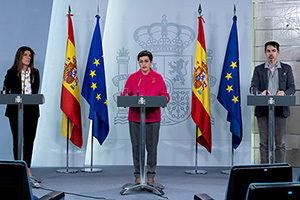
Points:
[(23, 85), (253, 90), (3, 91), (23, 88), (32, 77), (138, 86)]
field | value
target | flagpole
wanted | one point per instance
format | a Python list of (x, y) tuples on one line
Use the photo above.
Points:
[(226, 172), (67, 170), (91, 169), (98, 109), (196, 171)]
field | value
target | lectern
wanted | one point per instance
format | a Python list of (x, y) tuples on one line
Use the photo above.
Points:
[(20, 100), (142, 102), (271, 101)]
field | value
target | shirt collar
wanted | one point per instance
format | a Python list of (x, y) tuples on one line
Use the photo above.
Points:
[(27, 71), (268, 66)]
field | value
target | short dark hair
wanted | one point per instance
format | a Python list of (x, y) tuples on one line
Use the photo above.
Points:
[(272, 43), (145, 53)]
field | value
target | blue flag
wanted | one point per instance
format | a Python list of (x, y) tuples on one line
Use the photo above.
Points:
[(229, 89), (94, 87)]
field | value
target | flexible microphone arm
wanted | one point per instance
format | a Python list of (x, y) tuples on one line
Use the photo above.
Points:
[(138, 87)]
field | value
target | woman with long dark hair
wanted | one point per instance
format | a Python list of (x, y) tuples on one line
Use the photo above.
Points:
[(23, 78)]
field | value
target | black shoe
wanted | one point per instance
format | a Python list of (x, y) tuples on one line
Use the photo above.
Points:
[(34, 184), (36, 179)]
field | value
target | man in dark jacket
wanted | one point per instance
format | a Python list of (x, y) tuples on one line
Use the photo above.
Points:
[(272, 78)]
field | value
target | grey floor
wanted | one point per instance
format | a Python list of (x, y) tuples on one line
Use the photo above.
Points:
[(108, 184)]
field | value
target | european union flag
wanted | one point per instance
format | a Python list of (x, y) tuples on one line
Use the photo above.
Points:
[(229, 89), (94, 87)]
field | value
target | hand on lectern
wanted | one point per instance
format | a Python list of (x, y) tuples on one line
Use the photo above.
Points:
[(266, 92), (280, 93)]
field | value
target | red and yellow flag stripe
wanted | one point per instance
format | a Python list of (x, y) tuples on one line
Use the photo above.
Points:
[(200, 95), (70, 99)]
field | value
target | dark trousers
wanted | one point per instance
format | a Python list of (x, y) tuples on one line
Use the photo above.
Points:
[(152, 135), (29, 132), (280, 132)]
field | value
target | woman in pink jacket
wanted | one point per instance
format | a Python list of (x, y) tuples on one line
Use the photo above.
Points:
[(145, 82)]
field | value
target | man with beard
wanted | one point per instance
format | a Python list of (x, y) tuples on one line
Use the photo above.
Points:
[(272, 78)]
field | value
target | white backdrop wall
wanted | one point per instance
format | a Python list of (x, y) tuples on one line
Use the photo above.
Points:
[(126, 26), (50, 145), (22, 23)]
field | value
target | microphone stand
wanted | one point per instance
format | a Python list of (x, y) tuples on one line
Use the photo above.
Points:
[(138, 86)]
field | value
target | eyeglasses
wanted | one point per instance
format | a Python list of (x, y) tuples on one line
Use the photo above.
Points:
[(143, 61)]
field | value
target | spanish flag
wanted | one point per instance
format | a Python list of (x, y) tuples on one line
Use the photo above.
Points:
[(70, 101), (200, 95)]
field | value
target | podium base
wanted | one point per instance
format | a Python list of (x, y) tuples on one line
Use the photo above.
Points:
[(155, 188), (194, 172), (67, 171), (226, 172), (91, 170)]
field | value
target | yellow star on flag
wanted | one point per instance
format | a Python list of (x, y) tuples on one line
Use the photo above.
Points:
[(98, 97), (229, 88), (228, 76), (94, 86), (96, 62), (235, 99), (92, 74), (233, 64), (105, 102)]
